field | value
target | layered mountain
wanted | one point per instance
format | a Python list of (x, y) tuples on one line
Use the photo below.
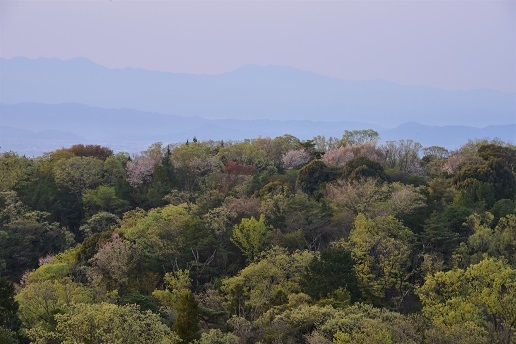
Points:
[(251, 92), (32, 129)]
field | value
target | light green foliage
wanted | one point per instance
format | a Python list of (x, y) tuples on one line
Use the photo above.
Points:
[(160, 233), (55, 267), (465, 332), (301, 319), (403, 200), (176, 284), (473, 145), (265, 283), (382, 250), (40, 301), (103, 198), (366, 324), (189, 154), (251, 236), (353, 137), (12, 170), (365, 335), (483, 294), (216, 336), (219, 220), (78, 173), (107, 323), (369, 240), (302, 222), (498, 242), (359, 323), (436, 152)]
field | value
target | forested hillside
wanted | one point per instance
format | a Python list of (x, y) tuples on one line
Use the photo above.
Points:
[(330, 240)]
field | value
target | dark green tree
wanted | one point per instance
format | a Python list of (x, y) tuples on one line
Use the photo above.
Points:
[(330, 271), (311, 176), (186, 325), (362, 167), (8, 306)]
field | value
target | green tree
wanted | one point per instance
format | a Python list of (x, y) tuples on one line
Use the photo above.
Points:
[(103, 198), (106, 323), (26, 239), (7, 336), (330, 271), (251, 236), (186, 325), (382, 250), (265, 283), (484, 294), (95, 151), (362, 167), (354, 137), (8, 306), (40, 301), (78, 173), (99, 222), (311, 176), (12, 169), (216, 336)]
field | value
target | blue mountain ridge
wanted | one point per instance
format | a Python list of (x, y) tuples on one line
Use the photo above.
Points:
[(250, 92), (32, 129)]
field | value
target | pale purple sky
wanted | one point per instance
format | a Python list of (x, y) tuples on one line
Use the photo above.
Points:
[(448, 44)]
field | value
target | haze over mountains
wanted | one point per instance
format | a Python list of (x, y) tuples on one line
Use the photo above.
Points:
[(131, 108)]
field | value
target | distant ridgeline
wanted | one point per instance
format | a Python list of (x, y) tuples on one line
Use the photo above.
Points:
[(32, 129), (251, 92)]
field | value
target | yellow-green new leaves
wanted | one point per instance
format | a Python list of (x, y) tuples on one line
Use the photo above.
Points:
[(176, 283), (106, 323), (382, 249), (499, 242), (265, 283), (40, 301), (251, 236), (484, 294)]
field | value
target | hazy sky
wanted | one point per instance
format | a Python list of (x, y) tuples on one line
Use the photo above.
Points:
[(449, 44)]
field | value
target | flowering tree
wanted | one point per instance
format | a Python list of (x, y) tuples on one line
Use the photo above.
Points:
[(141, 169), (295, 158)]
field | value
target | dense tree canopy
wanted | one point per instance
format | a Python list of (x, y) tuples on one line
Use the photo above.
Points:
[(270, 240)]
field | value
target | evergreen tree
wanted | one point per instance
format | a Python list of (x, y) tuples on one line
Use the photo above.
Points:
[(8, 306), (187, 322)]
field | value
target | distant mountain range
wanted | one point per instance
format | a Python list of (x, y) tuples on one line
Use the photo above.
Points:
[(251, 92), (31, 129)]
